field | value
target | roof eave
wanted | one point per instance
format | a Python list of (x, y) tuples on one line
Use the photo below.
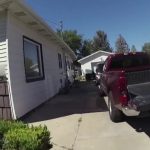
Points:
[(5, 5), (46, 26), (82, 59)]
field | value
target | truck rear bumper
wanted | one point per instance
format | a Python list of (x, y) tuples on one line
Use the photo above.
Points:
[(130, 112), (138, 105), (139, 97)]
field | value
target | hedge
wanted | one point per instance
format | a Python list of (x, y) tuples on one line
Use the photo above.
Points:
[(19, 136)]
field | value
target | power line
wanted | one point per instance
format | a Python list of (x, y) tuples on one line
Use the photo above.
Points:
[(58, 25), (61, 28)]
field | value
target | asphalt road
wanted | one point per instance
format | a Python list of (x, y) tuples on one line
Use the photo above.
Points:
[(80, 121)]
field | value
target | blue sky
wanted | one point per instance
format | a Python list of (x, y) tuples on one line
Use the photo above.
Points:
[(131, 18)]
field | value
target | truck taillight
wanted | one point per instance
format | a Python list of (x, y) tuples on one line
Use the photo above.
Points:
[(122, 84), (123, 98)]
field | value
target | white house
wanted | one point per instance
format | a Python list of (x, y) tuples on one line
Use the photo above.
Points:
[(88, 63), (33, 58)]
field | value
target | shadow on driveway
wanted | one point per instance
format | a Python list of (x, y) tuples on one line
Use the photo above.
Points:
[(140, 124), (81, 99)]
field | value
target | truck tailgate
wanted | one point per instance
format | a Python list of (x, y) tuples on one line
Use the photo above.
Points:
[(140, 95)]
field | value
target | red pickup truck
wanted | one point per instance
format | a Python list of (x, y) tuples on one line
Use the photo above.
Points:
[(125, 79)]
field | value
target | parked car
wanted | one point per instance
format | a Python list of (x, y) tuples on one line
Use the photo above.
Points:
[(90, 76), (99, 68), (125, 79)]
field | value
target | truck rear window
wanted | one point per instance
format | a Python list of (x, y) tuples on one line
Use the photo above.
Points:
[(127, 61)]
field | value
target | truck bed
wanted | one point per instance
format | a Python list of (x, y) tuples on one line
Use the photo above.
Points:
[(139, 89), (138, 77)]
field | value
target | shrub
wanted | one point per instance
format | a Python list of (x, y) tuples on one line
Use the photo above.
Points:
[(5, 126), (19, 136), (34, 138)]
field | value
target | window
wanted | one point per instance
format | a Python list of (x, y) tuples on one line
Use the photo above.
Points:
[(60, 60), (72, 66), (68, 64), (33, 60), (126, 62)]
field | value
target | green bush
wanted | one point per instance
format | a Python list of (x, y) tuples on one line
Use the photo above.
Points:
[(5, 126), (18, 136)]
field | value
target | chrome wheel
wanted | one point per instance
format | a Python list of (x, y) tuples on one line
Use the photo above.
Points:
[(115, 114), (110, 108)]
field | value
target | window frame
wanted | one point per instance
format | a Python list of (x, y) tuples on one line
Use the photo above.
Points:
[(60, 61), (40, 60)]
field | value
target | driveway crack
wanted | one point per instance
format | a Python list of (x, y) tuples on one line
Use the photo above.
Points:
[(63, 147), (79, 124), (72, 148)]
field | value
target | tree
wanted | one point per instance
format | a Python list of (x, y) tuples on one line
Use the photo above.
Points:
[(121, 45), (86, 48), (73, 39), (100, 42), (146, 47), (133, 48)]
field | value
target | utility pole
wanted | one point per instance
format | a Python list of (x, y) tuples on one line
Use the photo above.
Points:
[(61, 29)]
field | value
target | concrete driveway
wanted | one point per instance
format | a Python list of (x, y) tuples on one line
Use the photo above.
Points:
[(80, 121)]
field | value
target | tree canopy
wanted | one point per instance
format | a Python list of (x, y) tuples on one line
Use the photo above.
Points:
[(146, 47), (86, 48), (133, 48), (83, 47), (121, 45), (100, 42), (73, 39)]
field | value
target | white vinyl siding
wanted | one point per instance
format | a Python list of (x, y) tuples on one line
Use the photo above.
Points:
[(3, 23), (3, 45), (27, 96)]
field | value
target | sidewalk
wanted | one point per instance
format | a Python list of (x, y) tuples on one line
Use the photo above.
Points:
[(80, 121), (64, 113)]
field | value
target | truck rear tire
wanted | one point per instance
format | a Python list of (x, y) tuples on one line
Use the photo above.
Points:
[(115, 114)]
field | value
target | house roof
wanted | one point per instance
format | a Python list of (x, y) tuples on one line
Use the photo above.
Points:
[(24, 13), (94, 55)]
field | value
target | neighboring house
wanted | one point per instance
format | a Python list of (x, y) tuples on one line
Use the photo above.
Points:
[(88, 63), (33, 58)]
